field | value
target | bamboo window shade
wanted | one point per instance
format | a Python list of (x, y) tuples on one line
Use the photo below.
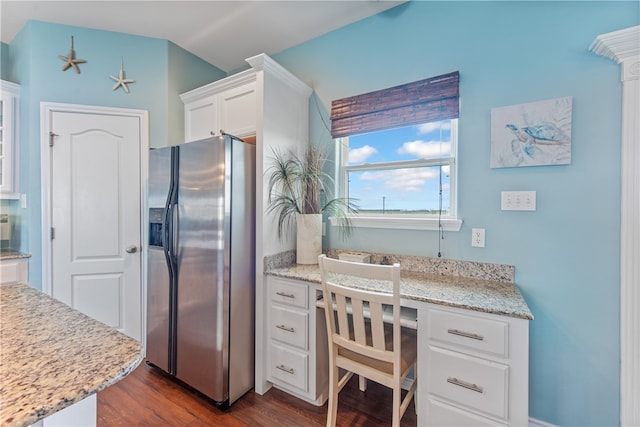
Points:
[(423, 101)]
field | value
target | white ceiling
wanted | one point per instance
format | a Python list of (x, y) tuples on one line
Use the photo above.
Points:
[(223, 33)]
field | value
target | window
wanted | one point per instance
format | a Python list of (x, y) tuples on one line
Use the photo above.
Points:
[(403, 176)]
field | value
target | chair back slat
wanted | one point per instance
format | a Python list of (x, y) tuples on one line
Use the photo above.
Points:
[(377, 326), (343, 318), (358, 321)]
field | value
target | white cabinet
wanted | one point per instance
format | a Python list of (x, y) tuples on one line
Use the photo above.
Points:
[(296, 359), (14, 270), (9, 107), (228, 105), (474, 368)]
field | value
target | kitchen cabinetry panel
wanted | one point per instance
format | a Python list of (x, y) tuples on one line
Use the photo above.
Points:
[(200, 119), (238, 110), (479, 383), (290, 327), (228, 105), (297, 357), (473, 332), (290, 367), (441, 414), (474, 368), (9, 108), (14, 271)]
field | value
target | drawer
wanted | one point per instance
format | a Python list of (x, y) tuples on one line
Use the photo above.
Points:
[(473, 332), (289, 366), (291, 293), (290, 327), (469, 381), (441, 414), (13, 272)]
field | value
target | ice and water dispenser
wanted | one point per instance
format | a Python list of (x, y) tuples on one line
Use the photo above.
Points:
[(155, 226)]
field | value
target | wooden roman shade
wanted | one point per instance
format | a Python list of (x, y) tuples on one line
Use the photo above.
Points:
[(423, 101)]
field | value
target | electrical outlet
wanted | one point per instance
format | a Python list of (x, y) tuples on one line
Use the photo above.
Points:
[(518, 201), (477, 237)]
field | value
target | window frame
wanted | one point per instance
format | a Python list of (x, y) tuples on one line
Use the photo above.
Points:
[(449, 222)]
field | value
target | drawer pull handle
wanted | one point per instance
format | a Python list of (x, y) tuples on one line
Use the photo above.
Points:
[(284, 368), (464, 384), (285, 328), (286, 295), (466, 334)]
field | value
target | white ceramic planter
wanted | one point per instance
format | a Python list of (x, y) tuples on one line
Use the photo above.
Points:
[(308, 238)]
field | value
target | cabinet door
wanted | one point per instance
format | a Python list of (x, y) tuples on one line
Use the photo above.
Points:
[(8, 122), (238, 110), (14, 271), (200, 119)]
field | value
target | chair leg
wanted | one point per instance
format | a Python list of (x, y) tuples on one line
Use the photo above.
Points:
[(415, 395), (362, 383), (397, 413), (334, 389)]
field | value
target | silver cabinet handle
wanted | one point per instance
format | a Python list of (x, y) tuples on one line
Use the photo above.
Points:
[(285, 328), (465, 384), (132, 249), (286, 295), (285, 369), (466, 334)]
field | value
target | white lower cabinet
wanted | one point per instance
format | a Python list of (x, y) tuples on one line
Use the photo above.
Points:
[(474, 368), (296, 360), (14, 270)]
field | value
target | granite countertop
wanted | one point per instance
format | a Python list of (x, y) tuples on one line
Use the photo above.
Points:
[(487, 296), (11, 254), (52, 356)]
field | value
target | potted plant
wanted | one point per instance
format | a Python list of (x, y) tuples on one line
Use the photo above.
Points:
[(299, 191)]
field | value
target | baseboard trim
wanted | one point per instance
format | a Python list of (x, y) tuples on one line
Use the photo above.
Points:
[(538, 423)]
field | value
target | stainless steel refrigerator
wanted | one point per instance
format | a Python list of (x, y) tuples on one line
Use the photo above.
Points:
[(201, 281)]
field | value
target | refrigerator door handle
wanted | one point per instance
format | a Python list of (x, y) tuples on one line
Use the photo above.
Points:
[(174, 230)]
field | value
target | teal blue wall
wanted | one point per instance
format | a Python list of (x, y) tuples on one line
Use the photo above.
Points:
[(4, 61), (566, 253), (152, 63)]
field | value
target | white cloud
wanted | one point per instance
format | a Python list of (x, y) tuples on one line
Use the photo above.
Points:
[(360, 155), (424, 150), (402, 180), (430, 127)]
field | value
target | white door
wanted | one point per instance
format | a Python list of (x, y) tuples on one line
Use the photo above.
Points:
[(95, 216)]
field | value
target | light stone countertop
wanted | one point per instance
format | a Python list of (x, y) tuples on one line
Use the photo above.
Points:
[(469, 293), (11, 254), (52, 356)]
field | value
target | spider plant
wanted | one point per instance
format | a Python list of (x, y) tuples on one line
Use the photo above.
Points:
[(298, 185)]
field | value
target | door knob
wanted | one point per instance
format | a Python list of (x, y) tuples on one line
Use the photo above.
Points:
[(132, 249)]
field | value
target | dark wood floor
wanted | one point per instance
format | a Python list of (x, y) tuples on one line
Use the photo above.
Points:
[(148, 398)]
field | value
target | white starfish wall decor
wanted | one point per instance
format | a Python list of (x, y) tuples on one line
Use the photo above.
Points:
[(121, 81), (71, 61)]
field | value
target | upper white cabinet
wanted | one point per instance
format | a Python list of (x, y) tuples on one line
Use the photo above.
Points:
[(228, 105), (9, 107)]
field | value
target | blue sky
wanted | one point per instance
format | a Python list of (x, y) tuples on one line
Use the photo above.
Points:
[(401, 188)]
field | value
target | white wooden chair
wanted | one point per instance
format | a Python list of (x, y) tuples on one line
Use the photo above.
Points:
[(359, 341)]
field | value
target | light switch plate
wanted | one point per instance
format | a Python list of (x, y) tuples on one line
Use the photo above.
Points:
[(518, 201)]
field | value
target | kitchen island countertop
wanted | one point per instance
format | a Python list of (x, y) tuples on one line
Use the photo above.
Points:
[(52, 356)]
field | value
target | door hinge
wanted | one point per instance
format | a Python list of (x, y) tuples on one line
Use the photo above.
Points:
[(51, 136), (53, 233)]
